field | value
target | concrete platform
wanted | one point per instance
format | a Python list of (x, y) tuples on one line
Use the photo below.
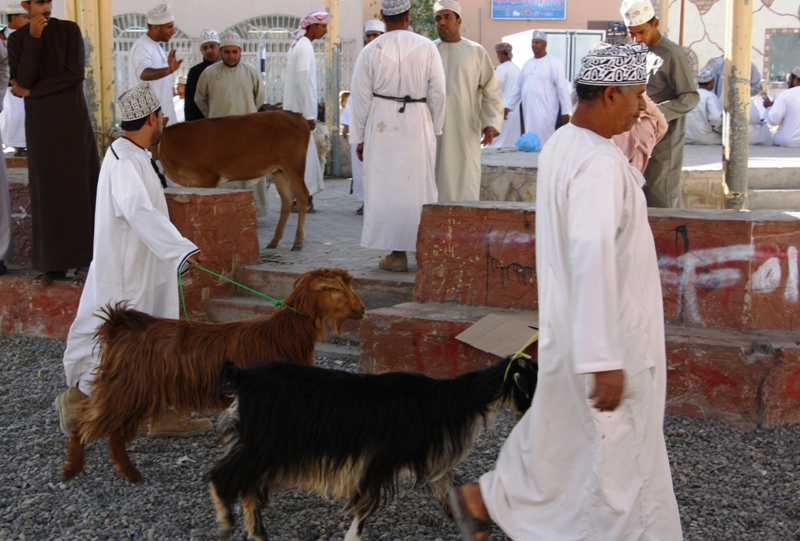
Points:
[(510, 175)]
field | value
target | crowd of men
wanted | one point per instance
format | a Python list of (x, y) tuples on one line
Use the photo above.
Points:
[(418, 114)]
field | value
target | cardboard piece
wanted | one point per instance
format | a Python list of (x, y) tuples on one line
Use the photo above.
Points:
[(501, 335)]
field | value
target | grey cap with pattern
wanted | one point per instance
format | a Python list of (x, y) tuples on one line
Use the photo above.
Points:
[(138, 102), (614, 65)]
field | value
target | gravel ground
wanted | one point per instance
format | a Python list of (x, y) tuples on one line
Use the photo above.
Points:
[(730, 484)]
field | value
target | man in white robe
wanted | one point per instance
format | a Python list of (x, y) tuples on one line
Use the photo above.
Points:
[(179, 101), (147, 61), (398, 98), (474, 107), (588, 461), (233, 87), (704, 122), (373, 29), (300, 90), (13, 114), (543, 90), (784, 112), (138, 254), (508, 74), (6, 225)]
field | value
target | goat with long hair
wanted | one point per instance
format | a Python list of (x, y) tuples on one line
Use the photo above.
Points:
[(149, 365), (352, 435)]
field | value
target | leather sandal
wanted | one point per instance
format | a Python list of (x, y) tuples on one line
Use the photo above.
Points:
[(46, 278), (79, 278), (472, 528)]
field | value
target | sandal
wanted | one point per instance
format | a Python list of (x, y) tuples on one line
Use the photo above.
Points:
[(472, 528), (79, 278), (46, 278)]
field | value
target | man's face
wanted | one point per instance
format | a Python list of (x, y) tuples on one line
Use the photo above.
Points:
[(231, 54), (372, 35), (793, 80), (164, 32), (210, 50), (38, 7), (628, 105), (18, 21), (180, 88), (646, 33), (316, 31), (158, 130), (448, 25), (539, 47), (501, 56)]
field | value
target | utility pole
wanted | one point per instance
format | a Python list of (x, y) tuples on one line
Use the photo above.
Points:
[(96, 22), (663, 16), (332, 54), (735, 129)]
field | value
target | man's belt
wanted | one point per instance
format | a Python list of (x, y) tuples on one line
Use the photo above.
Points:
[(404, 100)]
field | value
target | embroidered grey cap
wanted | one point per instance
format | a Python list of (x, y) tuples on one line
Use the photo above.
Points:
[(452, 5), (538, 34), (395, 7), (637, 12), (138, 102), (208, 35), (15, 8), (705, 75), (614, 65), (230, 38), (161, 14)]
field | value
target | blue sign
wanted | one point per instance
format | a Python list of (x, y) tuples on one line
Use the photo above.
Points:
[(529, 9)]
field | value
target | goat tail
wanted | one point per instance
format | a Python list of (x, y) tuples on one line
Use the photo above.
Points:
[(119, 317)]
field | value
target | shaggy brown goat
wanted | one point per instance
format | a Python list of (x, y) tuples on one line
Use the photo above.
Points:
[(149, 364)]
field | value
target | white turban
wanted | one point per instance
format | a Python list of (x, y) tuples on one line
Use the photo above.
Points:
[(15, 8), (161, 14), (452, 5), (230, 38), (207, 35), (138, 102), (374, 25), (637, 12)]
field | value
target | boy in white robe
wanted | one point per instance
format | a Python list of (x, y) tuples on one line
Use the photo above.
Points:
[(138, 254), (508, 75), (300, 91), (588, 461)]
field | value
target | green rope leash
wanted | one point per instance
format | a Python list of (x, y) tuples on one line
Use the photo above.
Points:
[(519, 354), (276, 302)]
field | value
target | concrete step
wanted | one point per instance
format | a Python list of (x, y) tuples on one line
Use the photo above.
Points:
[(377, 289), (774, 199), (773, 178), (747, 378)]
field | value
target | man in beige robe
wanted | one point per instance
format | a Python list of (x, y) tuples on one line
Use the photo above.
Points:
[(232, 87), (474, 110)]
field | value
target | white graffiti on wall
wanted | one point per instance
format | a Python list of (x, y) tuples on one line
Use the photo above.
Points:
[(703, 270)]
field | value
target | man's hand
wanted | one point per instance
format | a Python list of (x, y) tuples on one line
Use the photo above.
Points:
[(195, 259), (505, 113), (767, 102), (488, 136), (173, 62), (311, 124), (38, 23), (360, 151), (18, 91), (607, 392)]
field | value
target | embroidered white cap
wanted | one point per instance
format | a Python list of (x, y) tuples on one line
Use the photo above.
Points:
[(538, 34), (138, 102), (181, 80), (614, 65), (395, 7), (374, 25), (207, 35), (161, 14), (705, 75), (15, 8), (452, 5), (230, 38), (636, 12)]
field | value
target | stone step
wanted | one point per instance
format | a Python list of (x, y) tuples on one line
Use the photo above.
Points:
[(376, 289), (773, 178), (747, 378), (775, 199)]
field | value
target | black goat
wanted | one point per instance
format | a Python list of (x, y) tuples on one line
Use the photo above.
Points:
[(352, 435)]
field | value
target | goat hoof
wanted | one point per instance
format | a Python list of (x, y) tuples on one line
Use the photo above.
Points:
[(133, 477), (271, 246), (297, 248)]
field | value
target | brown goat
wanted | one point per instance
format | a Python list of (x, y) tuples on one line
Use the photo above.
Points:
[(149, 364), (209, 152)]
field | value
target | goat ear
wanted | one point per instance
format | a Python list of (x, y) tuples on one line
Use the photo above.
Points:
[(521, 383)]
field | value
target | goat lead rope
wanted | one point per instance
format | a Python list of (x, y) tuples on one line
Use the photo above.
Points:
[(277, 303), (519, 354)]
